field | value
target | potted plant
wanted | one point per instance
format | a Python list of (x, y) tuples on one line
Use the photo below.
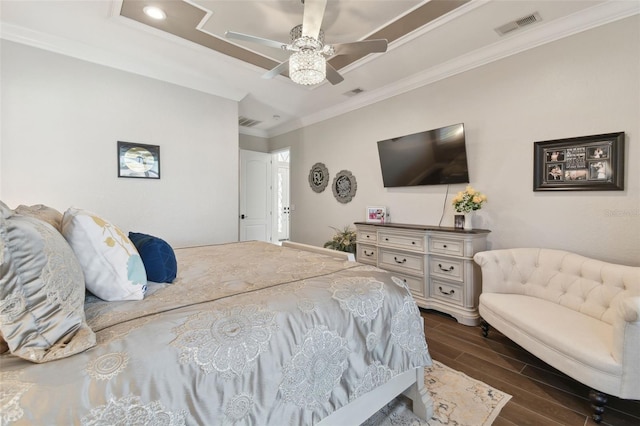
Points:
[(343, 240)]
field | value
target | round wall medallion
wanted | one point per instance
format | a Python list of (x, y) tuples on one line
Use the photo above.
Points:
[(344, 186), (318, 177)]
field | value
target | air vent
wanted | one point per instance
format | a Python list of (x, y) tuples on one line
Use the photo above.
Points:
[(353, 92), (247, 122), (518, 23)]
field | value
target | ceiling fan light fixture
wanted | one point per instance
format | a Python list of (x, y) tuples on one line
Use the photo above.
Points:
[(307, 67)]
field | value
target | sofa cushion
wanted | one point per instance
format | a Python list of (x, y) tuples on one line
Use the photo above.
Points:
[(565, 332)]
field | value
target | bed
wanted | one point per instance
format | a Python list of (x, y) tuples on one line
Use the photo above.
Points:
[(247, 333)]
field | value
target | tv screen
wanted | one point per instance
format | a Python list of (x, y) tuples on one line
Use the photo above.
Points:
[(432, 157)]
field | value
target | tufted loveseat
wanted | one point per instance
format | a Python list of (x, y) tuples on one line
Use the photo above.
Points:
[(580, 315)]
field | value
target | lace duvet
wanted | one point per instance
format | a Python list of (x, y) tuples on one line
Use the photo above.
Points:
[(249, 333)]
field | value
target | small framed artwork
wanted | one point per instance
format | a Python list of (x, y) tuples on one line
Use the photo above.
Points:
[(587, 163), (458, 221), (376, 214), (136, 160)]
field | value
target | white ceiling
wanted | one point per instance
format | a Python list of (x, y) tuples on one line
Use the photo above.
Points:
[(465, 38)]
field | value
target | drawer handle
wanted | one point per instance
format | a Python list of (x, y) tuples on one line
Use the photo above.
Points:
[(367, 236), (448, 293), (399, 261), (444, 246), (413, 242), (368, 254), (386, 239), (445, 270)]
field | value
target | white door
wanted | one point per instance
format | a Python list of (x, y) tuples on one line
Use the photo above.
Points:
[(255, 196), (281, 185)]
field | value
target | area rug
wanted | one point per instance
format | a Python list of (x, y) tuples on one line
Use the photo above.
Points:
[(457, 400)]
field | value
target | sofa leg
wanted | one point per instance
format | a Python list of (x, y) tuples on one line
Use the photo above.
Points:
[(485, 328), (598, 401)]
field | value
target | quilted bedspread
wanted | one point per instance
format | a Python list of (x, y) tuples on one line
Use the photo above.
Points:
[(249, 333)]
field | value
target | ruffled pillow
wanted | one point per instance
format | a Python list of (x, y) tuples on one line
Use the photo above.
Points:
[(45, 213), (41, 291), (113, 269), (158, 257)]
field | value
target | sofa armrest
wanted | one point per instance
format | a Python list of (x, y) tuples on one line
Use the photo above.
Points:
[(629, 309), (493, 264)]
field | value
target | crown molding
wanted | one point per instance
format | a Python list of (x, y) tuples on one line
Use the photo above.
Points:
[(144, 65), (587, 19)]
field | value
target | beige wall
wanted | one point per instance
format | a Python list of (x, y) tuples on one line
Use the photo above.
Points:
[(254, 143), (583, 85), (61, 119)]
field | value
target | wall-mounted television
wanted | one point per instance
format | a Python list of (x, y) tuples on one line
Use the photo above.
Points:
[(432, 157)]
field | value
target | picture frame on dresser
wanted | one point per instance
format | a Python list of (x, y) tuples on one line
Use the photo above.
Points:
[(376, 214), (586, 163)]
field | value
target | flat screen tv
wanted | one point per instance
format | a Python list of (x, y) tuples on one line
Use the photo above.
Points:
[(432, 157)]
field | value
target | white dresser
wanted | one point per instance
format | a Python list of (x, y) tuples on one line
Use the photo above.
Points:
[(435, 262)]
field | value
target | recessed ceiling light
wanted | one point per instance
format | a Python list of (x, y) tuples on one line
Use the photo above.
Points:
[(154, 12)]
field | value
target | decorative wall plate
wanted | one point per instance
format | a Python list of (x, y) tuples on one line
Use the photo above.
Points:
[(318, 177), (344, 186)]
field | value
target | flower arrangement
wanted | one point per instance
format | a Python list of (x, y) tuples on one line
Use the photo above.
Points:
[(468, 200), (343, 240)]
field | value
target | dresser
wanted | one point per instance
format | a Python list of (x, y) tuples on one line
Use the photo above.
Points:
[(435, 262)]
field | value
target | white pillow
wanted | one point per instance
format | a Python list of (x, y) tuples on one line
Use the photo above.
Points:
[(113, 269)]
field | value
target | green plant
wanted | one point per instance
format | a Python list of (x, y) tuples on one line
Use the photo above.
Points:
[(468, 200), (343, 240)]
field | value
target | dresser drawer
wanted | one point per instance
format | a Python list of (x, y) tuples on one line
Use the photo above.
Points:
[(408, 241), (366, 254), (451, 269), (416, 284), (366, 236), (450, 292), (403, 262), (444, 246)]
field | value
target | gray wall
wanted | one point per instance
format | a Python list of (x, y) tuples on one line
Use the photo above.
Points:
[(61, 119), (582, 85)]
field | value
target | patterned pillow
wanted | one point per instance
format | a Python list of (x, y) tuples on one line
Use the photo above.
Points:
[(42, 212), (41, 291), (158, 257), (113, 269)]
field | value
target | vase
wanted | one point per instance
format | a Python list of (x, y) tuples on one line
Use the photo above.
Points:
[(467, 221)]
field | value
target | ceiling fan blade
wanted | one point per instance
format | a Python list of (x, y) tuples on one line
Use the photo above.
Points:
[(361, 47), (333, 75), (312, 17), (277, 70), (254, 39)]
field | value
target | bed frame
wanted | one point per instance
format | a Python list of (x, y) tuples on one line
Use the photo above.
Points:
[(409, 383)]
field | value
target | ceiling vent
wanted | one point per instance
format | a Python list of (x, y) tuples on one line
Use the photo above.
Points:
[(353, 92), (518, 23), (247, 122)]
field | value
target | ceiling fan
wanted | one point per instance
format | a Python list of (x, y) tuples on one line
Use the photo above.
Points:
[(308, 64)]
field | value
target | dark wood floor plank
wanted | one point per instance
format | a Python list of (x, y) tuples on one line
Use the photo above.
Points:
[(450, 339), (541, 395), (548, 408)]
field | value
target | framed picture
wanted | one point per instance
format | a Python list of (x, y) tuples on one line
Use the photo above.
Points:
[(376, 214), (587, 163), (136, 160)]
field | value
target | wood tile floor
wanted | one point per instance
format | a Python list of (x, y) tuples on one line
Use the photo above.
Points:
[(540, 394)]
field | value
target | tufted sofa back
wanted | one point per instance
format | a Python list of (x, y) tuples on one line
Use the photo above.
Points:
[(586, 285)]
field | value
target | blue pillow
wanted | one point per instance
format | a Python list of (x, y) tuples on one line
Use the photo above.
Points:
[(158, 257)]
